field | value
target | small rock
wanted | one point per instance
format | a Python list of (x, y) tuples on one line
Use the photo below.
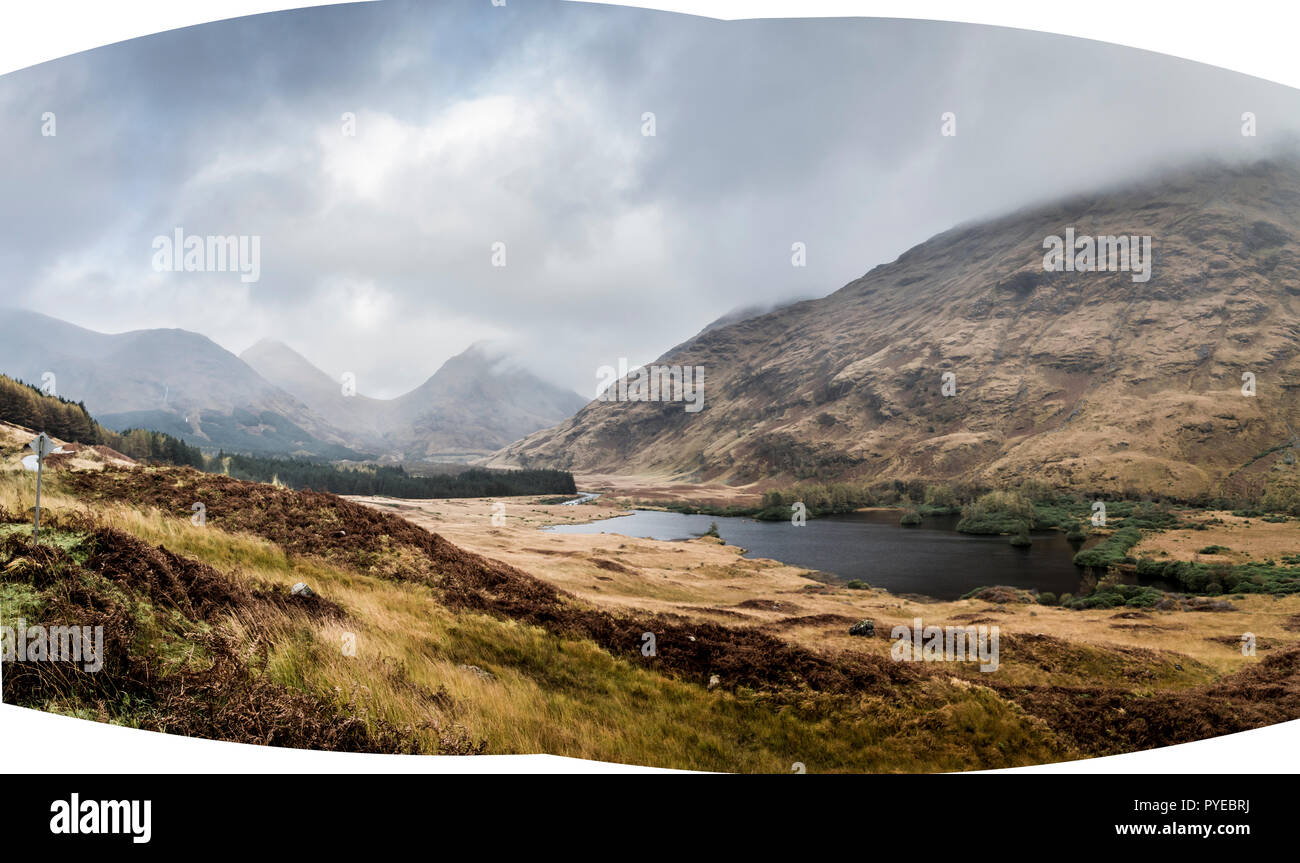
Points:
[(866, 628), (340, 533), (482, 675), (301, 589)]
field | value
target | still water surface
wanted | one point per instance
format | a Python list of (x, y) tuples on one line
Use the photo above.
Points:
[(931, 559)]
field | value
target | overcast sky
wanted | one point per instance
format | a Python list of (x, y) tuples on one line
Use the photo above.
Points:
[(522, 124)]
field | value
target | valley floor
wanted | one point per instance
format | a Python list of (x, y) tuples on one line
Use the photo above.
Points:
[(431, 630), (703, 579)]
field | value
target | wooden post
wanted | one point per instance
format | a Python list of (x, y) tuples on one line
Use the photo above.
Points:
[(36, 526), (42, 446)]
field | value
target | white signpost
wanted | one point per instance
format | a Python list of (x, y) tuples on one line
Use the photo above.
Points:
[(43, 445)]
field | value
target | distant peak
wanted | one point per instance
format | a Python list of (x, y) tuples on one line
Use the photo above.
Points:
[(492, 356), (487, 349), (267, 344)]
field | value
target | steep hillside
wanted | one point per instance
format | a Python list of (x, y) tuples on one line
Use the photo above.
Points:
[(476, 403), (363, 418), (1084, 379)]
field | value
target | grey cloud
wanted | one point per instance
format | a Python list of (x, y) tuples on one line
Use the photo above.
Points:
[(522, 124)]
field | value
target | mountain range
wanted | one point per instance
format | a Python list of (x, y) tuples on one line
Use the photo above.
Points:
[(968, 358), (271, 400), (474, 404)]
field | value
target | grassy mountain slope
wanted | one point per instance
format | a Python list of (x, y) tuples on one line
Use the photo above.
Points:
[(1082, 379)]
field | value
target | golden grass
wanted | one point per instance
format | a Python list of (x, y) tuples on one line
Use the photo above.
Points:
[(691, 577), (537, 693), (1245, 540)]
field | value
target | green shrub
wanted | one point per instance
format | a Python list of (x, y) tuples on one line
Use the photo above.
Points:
[(998, 512), (941, 496), (1152, 516), (819, 499), (1111, 551), (1116, 596), (1193, 577)]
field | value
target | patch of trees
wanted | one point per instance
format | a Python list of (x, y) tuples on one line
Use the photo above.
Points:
[(390, 481), (25, 405), (153, 447)]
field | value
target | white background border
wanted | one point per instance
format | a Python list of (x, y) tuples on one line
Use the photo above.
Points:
[(1256, 37)]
